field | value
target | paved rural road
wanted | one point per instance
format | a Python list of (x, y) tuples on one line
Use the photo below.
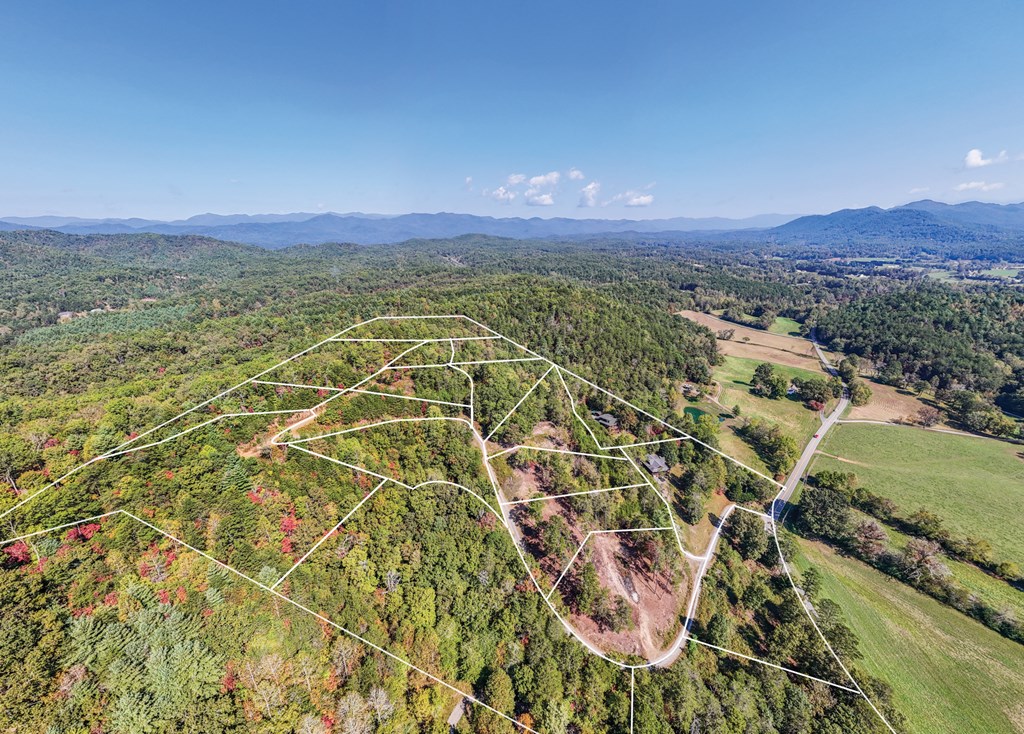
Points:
[(805, 458), (812, 446)]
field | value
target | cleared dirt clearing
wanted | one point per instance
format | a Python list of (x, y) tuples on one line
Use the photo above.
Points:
[(761, 345)]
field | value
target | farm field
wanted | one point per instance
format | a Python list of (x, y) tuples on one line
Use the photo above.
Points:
[(784, 326), (976, 485), (989, 589), (764, 346), (735, 376), (950, 674), (887, 404)]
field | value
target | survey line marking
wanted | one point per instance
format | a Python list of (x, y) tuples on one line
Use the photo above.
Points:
[(312, 414)]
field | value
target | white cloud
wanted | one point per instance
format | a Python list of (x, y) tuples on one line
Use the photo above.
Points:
[(536, 198), (978, 186), (635, 199), (575, 174), (514, 179), (975, 158), (588, 194), (545, 180), (919, 189), (502, 194), (632, 198)]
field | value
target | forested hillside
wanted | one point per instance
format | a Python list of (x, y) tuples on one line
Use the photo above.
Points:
[(967, 343), (107, 336)]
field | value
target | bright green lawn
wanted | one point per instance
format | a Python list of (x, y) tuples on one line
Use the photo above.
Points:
[(784, 326), (950, 674), (989, 589), (976, 485), (735, 375)]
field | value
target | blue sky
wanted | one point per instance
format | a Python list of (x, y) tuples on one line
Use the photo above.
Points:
[(672, 109)]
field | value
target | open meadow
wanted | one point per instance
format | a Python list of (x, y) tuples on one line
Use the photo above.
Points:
[(976, 485), (949, 673), (766, 346), (796, 419)]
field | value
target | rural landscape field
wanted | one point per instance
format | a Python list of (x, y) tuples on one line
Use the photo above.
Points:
[(511, 369)]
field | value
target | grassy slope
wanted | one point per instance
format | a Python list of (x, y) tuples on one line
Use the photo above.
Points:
[(735, 375), (975, 485), (949, 673), (989, 589), (784, 326)]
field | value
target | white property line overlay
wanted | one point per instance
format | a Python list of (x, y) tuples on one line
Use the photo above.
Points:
[(360, 391), (773, 665), (431, 340), (555, 451), (303, 608), (709, 553), (418, 343), (545, 498), (584, 543), (328, 534), (521, 400)]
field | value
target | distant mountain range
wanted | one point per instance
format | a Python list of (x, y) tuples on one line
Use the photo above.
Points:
[(281, 230), (920, 223)]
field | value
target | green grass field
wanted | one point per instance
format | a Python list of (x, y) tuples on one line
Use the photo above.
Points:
[(989, 589), (950, 674), (976, 485), (784, 326), (1001, 272), (735, 375)]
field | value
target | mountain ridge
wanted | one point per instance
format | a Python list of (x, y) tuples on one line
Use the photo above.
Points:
[(925, 222)]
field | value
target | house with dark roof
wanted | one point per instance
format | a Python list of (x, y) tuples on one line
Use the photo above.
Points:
[(655, 464), (605, 419)]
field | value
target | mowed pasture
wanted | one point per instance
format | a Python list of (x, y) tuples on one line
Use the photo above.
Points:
[(976, 485), (991, 590), (785, 326), (949, 673), (795, 418), (764, 346), (888, 404)]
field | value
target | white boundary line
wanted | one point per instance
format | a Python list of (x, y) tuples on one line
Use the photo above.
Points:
[(409, 397), (348, 632), (521, 400), (572, 406), (584, 543), (328, 534), (278, 594), (500, 361), (431, 340), (114, 453), (312, 411), (773, 665), (570, 494), (527, 447)]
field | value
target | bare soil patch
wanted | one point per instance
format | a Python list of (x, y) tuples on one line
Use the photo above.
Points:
[(547, 435), (845, 461), (529, 529), (761, 345), (888, 404), (526, 481), (655, 600)]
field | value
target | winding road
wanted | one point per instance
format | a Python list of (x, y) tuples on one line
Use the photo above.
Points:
[(797, 473)]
